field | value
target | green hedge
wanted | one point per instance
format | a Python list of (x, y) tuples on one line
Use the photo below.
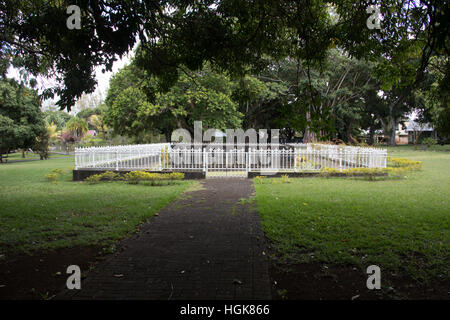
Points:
[(135, 177)]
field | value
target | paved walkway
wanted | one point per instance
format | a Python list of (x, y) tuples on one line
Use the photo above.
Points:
[(207, 245)]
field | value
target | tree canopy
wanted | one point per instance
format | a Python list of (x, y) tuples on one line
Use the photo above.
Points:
[(234, 36), (135, 106), (21, 119), (57, 117), (77, 126)]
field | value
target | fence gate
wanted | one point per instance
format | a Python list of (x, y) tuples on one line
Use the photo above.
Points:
[(220, 163)]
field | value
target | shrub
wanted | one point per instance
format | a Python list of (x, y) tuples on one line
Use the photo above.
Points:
[(398, 171), (367, 173), (260, 179), (396, 167), (370, 173), (105, 176), (176, 176), (155, 176), (94, 179), (134, 177), (158, 178), (52, 177), (57, 171), (328, 171), (405, 163), (429, 142), (110, 176)]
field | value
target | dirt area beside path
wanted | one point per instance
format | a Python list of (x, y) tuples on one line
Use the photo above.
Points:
[(320, 281), (43, 274)]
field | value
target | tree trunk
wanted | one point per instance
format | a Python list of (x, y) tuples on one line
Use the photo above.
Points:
[(308, 135), (168, 136), (393, 130), (371, 135), (349, 133), (416, 136)]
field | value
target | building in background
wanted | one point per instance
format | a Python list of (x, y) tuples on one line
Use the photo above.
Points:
[(418, 131)]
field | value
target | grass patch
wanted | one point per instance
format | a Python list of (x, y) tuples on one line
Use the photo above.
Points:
[(37, 214), (17, 156), (403, 226), (243, 202)]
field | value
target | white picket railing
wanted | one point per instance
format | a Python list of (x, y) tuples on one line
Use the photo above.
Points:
[(219, 157), (129, 157)]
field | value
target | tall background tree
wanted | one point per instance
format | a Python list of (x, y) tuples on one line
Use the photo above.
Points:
[(236, 39), (135, 106), (235, 36), (21, 119)]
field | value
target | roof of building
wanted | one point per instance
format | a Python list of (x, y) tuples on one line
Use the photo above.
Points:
[(416, 126)]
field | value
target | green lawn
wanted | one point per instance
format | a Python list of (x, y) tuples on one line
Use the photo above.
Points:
[(36, 214), (18, 156), (403, 226)]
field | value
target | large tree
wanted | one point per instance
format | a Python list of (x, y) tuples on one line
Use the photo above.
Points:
[(136, 105), (260, 100), (21, 119), (437, 106), (339, 91), (232, 35)]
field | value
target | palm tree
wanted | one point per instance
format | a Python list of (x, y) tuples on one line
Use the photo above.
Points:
[(77, 126)]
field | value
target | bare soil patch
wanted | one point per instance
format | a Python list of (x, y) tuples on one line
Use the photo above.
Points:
[(42, 274), (319, 281)]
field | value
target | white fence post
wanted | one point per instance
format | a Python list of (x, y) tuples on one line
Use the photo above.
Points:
[(295, 159), (205, 161), (117, 160), (249, 159), (247, 156)]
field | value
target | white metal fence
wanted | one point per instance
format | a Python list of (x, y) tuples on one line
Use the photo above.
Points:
[(129, 157), (241, 158)]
